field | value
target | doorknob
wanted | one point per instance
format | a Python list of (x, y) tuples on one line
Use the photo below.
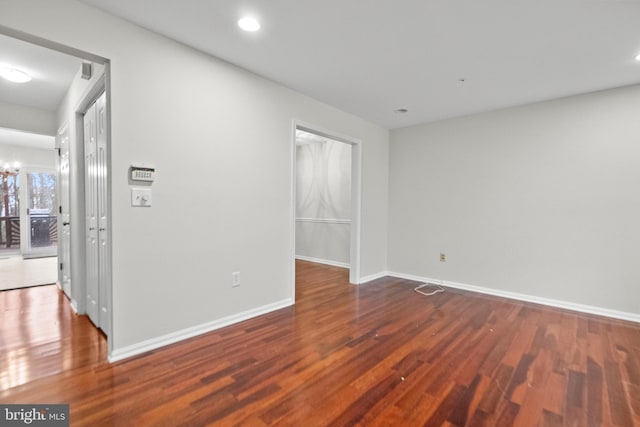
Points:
[(91, 228), (65, 223)]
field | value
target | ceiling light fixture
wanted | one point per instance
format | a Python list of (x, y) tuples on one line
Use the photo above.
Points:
[(8, 169), (638, 57), (14, 75), (401, 111), (249, 24)]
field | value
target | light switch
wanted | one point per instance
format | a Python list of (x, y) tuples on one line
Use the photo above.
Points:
[(140, 197)]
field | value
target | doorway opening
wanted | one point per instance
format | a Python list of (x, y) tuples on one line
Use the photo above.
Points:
[(28, 220), (89, 79), (326, 199), (28, 209)]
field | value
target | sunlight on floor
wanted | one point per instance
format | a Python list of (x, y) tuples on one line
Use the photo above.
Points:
[(16, 272)]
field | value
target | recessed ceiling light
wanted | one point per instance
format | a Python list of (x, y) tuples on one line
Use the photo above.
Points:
[(249, 24), (14, 75), (638, 57), (401, 111)]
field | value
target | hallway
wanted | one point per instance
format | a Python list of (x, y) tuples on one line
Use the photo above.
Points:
[(40, 336)]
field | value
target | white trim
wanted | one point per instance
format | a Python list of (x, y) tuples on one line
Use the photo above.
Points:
[(292, 215), (372, 277), (324, 220), (567, 305), (356, 212), (61, 131), (74, 306), (173, 337), (323, 261), (50, 44), (40, 253), (327, 133)]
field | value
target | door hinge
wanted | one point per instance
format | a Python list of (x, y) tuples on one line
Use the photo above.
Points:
[(60, 209), (59, 151), (60, 266)]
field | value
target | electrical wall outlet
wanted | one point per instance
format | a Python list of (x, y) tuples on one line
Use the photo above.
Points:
[(235, 279), (443, 257)]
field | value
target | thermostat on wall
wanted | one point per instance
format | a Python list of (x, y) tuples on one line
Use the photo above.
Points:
[(139, 173)]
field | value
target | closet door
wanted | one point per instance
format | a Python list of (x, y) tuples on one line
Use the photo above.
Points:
[(98, 259), (104, 260), (91, 220)]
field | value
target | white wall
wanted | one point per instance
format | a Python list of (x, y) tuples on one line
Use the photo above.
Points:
[(29, 157), (27, 119), (540, 200), (323, 201), (220, 139)]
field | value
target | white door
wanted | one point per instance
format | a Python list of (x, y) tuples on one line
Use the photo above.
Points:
[(91, 220), (98, 262), (64, 223), (104, 261)]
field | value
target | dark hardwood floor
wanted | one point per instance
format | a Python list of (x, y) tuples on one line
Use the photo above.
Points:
[(378, 354)]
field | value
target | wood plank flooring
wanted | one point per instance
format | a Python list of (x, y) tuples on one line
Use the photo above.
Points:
[(378, 354)]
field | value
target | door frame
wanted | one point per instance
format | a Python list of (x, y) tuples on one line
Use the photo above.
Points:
[(64, 186), (356, 198), (87, 100)]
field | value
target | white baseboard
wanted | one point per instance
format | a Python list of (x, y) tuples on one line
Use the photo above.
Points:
[(362, 280), (583, 308), (373, 277), (323, 261), (171, 338)]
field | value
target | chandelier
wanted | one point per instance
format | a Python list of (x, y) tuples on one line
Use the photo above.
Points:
[(9, 168)]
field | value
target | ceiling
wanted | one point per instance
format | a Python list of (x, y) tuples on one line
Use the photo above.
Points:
[(436, 58), (51, 72)]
